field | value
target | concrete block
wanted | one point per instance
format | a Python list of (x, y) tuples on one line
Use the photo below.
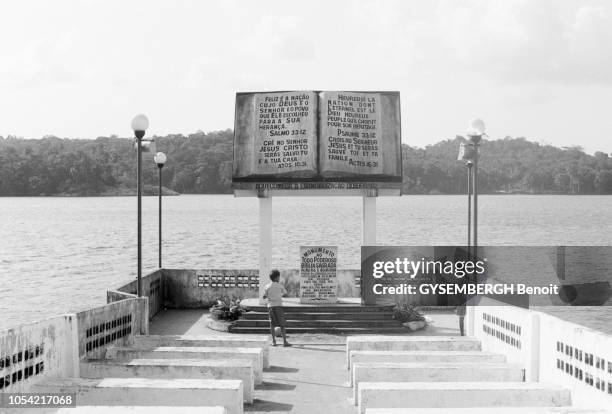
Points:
[(227, 341), (149, 392), (175, 368), (424, 356), (460, 394), (410, 343), (254, 355), (434, 372), (490, 410), (105, 409)]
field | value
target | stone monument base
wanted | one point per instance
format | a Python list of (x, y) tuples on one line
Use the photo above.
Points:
[(346, 316)]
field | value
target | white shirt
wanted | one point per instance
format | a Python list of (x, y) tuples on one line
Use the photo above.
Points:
[(274, 292)]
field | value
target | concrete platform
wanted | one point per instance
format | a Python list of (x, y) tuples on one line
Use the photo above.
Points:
[(434, 372), (174, 368), (424, 356), (489, 410), (410, 343), (233, 341), (459, 394), (253, 355), (149, 392), (105, 409)]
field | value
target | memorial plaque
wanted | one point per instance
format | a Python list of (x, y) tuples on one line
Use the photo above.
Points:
[(350, 133), (318, 278)]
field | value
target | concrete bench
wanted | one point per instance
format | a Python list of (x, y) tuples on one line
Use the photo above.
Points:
[(460, 394), (410, 343), (424, 356), (149, 392), (174, 368), (434, 372), (227, 341), (105, 409), (490, 410), (254, 355)]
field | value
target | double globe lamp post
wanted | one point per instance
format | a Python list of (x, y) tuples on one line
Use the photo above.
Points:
[(140, 123), (469, 153)]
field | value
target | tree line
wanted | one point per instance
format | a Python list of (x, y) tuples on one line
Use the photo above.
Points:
[(201, 163)]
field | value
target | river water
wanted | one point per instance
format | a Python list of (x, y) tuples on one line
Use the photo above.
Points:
[(61, 254)]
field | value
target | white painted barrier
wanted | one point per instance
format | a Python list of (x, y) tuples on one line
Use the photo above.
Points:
[(149, 392), (409, 343), (228, 341), (105, 409), (410, 395), (175, 368), (434, 372), (424, 356), (252, 355)]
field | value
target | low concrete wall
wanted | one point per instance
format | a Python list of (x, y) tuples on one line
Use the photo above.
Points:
[(511, 331), (197, 288), (577, 358), (38, 350), (551, 350), (51, 348), (152, 286), (112, 324)]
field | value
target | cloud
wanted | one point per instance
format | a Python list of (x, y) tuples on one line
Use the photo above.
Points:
[(520, 41), (41, 63)]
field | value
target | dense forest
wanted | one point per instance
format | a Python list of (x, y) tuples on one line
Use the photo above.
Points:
[(202, 162)]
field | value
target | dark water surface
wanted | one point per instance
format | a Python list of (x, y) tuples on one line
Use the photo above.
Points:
[(61, 254)]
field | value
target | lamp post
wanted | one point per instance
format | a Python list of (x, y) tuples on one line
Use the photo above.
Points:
[(140, 123), (469, 164), (160, 160), (476, 130)]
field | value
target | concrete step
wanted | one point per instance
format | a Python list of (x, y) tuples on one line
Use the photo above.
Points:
[(315, 308), (410, 343), (459, 394), (174, 368), (117, 409), (325, 324), (490, 410), (341, 331), (352, 316), (424, 356), (149, 392), (252, 355), (434, 372), (226, 341)]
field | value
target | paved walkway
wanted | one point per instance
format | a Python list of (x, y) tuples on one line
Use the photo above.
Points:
[(310, 377)]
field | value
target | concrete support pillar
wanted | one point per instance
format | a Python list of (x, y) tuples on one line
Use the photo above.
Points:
[(470, 320), (532, 370), (265, 243), (70, 349), (368, 226), (143, 314)]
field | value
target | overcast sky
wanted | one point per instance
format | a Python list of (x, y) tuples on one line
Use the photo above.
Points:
[(539, 69)]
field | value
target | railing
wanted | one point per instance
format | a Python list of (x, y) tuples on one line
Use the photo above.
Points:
[(551, 350), (153, 288)]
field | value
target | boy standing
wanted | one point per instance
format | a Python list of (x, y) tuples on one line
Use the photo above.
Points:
[(274, 292)]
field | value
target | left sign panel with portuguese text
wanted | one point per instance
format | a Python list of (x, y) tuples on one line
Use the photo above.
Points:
[(277, 131)]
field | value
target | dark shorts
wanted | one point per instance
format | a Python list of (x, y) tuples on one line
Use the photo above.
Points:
[(277, 316)]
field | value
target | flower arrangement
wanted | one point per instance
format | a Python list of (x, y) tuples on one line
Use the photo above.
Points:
[(407, 313), (226, 311)]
